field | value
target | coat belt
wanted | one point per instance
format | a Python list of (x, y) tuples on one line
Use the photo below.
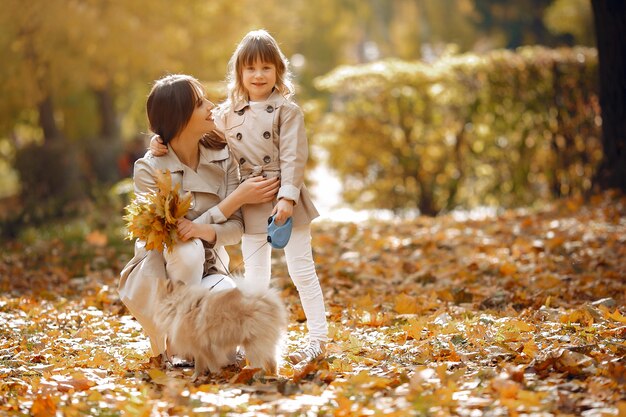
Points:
[(247, 170)]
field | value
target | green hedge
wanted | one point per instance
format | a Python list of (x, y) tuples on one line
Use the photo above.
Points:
[(504, 128)]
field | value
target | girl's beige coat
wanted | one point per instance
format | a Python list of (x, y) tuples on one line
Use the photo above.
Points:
[(270, 142)]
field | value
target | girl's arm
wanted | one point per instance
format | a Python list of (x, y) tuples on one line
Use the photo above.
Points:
[(294, 152)]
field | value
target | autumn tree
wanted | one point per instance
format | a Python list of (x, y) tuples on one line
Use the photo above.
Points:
[(71, 70), (610, 26)]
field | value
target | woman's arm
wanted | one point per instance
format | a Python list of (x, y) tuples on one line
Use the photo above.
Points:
[(230, 231), (252, 191), (187, 229), (143, 177)]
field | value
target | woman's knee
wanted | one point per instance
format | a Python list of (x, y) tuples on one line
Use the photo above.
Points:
[(186, 261), (191, 251)]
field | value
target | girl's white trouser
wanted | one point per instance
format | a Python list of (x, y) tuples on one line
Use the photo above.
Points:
[(257, 254), (186, 263)]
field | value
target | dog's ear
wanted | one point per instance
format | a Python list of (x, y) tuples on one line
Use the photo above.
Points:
[(178, 284)]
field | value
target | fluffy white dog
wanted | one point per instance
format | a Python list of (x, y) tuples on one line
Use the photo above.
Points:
[(209, 326)]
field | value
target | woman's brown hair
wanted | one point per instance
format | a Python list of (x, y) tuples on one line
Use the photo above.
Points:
[(171, 103)]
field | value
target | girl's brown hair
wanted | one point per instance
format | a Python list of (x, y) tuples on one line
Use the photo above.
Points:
[(257, 44), (171, 103)]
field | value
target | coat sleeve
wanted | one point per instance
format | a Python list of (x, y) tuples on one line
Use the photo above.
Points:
[(294, 151), (143, 177), (227, 231), (211, 216)]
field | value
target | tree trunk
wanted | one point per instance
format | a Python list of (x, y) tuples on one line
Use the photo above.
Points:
[(51, 131), (103, 153), (109, 127), (610, 28)]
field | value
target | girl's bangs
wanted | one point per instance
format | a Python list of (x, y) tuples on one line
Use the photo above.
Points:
[(258, 49)]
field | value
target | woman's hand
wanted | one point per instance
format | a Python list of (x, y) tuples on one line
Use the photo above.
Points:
[(258, 190), (156, 146), (251, 191), (283, 210), (188, 230)]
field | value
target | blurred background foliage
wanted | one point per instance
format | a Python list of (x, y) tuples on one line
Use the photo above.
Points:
[(421, 104), (501, 128)]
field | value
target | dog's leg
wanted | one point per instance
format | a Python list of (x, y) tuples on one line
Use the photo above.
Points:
[(261, 355), (213, 363), (199, 368), (271, 366)]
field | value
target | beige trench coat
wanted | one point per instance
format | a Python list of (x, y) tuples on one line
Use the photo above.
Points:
[(215, 178), (270, 142)]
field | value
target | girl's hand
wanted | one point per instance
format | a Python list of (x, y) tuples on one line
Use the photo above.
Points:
[(187, 230), (283, 210), (157, 147), (258, 190)]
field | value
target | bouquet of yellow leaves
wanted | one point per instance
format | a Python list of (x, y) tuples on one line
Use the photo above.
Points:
[(153, 218)]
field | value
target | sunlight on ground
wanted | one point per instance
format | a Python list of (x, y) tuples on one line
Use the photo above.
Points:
[(517, 314)]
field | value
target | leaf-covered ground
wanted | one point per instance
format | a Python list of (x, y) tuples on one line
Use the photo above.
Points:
[(518, 314)]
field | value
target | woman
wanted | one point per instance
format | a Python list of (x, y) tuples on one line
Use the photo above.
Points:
[(200, 161)]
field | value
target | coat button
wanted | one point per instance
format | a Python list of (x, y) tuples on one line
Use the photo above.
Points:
[(266, 135), (239, 136), (242, 161), (267, 159), (240, 112), (269, 109)]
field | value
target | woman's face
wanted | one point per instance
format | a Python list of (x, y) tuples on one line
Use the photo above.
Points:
[(201, 120), (259, 79)]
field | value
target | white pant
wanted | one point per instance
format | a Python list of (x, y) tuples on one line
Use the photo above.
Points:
[(299, 256), (186, 263)]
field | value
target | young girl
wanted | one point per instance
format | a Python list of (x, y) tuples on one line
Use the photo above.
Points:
[(264, 129)]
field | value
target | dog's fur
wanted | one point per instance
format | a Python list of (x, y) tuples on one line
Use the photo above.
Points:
[(208, 326)]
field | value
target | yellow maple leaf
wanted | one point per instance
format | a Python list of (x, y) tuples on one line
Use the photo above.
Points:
[(530, 348), (405, 304), (153, 217), (43, 406), (616, 315)]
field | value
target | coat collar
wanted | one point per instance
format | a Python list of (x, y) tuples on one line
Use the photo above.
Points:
[(275, 99), (209, 175)]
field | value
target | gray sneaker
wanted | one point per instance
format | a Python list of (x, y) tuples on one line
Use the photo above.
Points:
[(314, 350)]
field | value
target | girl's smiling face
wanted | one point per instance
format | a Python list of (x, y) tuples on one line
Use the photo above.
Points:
[(259, 79)]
